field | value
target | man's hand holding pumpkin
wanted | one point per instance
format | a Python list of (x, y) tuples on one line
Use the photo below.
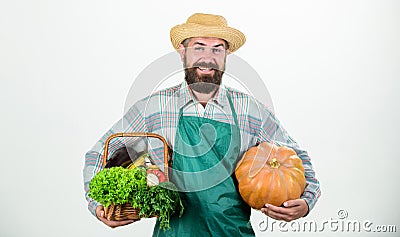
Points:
[(291, 210)]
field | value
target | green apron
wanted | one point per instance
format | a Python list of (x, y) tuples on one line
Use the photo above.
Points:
[(204, 159)]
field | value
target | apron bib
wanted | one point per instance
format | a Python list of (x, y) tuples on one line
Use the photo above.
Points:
[(204, 159)]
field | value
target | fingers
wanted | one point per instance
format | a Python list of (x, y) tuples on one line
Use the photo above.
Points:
[(114, 224), (101, 216), (278, 213), (291, 210), (293, 203)]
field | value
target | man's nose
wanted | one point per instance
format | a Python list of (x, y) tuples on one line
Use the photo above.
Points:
[(208, 56)]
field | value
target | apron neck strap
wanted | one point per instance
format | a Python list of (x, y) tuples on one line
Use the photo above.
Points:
[(234, 115)]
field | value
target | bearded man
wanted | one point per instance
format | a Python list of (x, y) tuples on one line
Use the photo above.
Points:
[(209, 127)]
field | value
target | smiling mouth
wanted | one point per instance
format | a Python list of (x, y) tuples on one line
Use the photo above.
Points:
[(205, 69)]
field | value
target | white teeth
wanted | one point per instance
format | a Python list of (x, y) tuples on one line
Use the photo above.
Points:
[(205, 69)]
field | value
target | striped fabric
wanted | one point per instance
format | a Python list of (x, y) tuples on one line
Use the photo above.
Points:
[(158, 113)]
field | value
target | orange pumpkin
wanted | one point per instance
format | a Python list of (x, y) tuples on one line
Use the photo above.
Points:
[(270, 174)]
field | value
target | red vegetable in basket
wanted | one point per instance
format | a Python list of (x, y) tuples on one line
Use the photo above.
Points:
[(155, 176)]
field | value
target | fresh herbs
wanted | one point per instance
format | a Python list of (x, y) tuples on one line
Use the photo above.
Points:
[(118, 185), (162, 201)]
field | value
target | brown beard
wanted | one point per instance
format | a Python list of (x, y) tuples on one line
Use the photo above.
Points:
[(203, 83)]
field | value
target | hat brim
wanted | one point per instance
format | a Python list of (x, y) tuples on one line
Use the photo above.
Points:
[(234, 37)]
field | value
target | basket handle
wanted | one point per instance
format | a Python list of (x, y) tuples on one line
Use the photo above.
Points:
[(138, 134)]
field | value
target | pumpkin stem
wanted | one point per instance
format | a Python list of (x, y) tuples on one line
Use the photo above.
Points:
[(274, 164)]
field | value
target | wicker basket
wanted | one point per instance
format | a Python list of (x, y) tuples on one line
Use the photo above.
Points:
[(121, 212), (126, 211)]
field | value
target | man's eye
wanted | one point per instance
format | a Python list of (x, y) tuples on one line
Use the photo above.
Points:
[(199, 49), (216, 50)]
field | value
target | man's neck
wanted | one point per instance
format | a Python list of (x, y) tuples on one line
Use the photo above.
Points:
[(203, 98)]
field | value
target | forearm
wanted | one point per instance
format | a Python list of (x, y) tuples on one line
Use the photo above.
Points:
[(92, 166), (94, 163), (312, 191)]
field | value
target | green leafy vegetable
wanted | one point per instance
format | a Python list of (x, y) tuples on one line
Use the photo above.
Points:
[(118, 185), (162, 201)]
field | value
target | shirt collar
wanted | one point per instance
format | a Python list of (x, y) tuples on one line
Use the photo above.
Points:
[(220, 96), (185, 96)]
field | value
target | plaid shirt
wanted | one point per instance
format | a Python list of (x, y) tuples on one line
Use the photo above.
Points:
[(158, 113)]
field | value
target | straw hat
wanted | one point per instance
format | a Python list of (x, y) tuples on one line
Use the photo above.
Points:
[(207, 25)]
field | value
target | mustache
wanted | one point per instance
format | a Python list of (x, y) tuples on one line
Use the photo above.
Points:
[(206, 65)]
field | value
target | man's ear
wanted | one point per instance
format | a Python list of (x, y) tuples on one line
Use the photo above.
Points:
[(181, 51)]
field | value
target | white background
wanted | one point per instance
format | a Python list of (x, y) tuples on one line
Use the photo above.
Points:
[(332, 68)]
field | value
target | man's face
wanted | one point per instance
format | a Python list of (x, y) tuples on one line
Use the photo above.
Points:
[(204, 62)]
